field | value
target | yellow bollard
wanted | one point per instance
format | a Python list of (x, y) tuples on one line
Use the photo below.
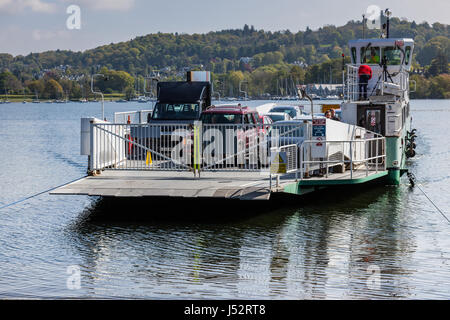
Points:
[(149, 161)]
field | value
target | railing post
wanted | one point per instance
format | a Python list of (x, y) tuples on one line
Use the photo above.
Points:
[(328, 156), (351, 160), (301, 162), (370, 153), (92, 149), (376, 160), (296, 163), (348, 84)]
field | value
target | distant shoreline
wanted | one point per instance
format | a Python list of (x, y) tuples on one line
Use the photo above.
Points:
[(116, 97)]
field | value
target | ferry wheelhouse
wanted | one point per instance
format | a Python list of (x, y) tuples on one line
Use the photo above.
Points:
[(386, 109)]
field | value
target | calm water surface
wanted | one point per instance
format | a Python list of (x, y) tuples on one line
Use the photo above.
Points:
[(376, 243)]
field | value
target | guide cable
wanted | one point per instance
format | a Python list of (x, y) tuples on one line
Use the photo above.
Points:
[(413, 181), (38, 194)]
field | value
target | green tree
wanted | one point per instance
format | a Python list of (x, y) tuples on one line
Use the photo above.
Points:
[(440, 87), (234, 78), (53, 90), (297, 74), (37, 87), (9, 82), (432, 48), (439, 64), (129, 93)]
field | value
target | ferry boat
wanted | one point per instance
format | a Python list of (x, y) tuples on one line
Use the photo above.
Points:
[(172, 151)]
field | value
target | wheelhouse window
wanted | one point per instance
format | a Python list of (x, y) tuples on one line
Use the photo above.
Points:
[(353, 55), (407, 54), (183, 111), (393, 56), (370, 55)]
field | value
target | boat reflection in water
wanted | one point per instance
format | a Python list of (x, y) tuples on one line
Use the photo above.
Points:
[(327, 248)]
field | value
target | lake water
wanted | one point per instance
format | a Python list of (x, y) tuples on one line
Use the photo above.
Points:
[(374, 243)]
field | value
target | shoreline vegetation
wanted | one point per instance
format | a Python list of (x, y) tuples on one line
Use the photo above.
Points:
[(244, 62), (119, 97), (31, 98)]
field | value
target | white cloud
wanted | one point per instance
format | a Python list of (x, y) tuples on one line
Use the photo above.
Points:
[(38, 34), (43, 6), (16, 6), (114, 5)]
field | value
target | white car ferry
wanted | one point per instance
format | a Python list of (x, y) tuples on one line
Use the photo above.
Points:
[(171, 152)]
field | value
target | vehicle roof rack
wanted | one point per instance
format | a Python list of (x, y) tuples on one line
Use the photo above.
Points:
[(229, 106)]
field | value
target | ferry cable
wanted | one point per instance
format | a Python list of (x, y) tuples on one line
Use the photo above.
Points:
[(38, 194), (412, 180)]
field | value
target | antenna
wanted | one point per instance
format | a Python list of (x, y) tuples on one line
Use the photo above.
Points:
[(388, 14), (364, 24)]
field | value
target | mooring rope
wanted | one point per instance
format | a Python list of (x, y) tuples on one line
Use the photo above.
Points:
[(412, 179), (38, 194)]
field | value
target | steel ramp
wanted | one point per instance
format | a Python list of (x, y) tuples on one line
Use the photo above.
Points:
[(228, 185)]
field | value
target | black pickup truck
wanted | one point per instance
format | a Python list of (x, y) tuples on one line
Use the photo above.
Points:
[(180, 102)]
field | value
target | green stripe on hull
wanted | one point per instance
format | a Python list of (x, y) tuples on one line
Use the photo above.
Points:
[(330, 182), (307, 186)]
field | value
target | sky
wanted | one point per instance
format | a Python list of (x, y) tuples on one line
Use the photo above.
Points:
[(40, 25)]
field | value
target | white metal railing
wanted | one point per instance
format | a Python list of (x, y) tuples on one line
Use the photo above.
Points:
[(290, 162), (247, 147), (133, 117), (352, 84), (201, 147), (380, 88), (197, 147), (292, 156), (368, 153), (138, 147)]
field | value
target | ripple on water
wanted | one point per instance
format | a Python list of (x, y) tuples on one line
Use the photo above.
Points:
[(331, 246)]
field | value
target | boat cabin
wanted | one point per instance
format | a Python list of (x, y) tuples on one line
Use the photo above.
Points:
[(398, 52), (386, 108), (390, 60)]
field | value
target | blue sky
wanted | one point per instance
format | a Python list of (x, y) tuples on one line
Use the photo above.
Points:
[(38, 25)]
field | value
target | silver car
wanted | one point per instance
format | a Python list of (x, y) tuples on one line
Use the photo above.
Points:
[(278, 116), (293, 111)]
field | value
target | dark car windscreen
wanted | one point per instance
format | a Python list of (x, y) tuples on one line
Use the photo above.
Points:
[(289, 111), (178, 111), (221, 118), (276, 117)]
